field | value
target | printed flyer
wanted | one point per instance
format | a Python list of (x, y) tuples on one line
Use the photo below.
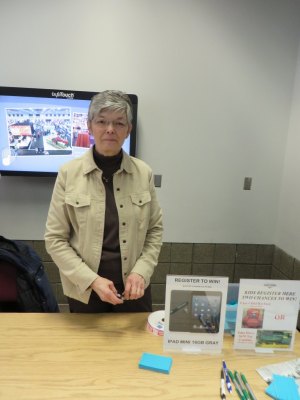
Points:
[(267, 315), (195, 313)]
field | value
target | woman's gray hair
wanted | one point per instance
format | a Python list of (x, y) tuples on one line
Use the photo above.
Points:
[(111, 100)]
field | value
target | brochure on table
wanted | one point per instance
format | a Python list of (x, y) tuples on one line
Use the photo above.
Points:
[(267, 315), (195, 313)]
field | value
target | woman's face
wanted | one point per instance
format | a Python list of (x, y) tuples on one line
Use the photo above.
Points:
[(110, 129)]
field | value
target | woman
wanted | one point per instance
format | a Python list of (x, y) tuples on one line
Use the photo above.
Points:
[(104, 226)]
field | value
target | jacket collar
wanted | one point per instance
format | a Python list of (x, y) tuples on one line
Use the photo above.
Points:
[(89, 164)]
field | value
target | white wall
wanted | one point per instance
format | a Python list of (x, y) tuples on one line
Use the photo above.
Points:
[(214, 79), (288, 229)]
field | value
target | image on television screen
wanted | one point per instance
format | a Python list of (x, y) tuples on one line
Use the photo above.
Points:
[(41, 129)]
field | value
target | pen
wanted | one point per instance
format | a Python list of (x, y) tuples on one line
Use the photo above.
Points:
[(179, 307), (222, 389), (242, 386), (228, 383), (120, 296), (236, 385), (251, 394)]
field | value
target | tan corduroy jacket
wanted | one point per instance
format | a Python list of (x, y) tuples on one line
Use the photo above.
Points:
[(75, 223)]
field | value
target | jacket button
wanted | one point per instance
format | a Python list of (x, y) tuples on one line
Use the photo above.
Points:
[(118, 189), (121, 205), (140, 201), (125, 258), (123, 223), (124, 241), (77, 202)]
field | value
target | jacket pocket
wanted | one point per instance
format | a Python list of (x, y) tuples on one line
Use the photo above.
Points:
[(140, 199), (141, 206), (79, 205), (78, 200)]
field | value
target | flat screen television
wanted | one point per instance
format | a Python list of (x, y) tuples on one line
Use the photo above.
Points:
[(41, 129)]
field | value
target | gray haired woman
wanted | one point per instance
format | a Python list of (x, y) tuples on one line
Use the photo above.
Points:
[(104, 225)]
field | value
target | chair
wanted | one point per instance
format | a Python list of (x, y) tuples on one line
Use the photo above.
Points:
[(8, 287), (24, 285)]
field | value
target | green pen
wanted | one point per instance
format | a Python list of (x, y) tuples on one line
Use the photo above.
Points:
[(242, 386), (251, 394), (236, 385)]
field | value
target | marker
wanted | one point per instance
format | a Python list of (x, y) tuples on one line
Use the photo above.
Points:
[(251, 394), (222, 389), (228, 383), (236, 385), (242, 386)]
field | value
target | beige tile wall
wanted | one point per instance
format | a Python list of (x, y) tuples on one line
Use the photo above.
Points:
[(236, 261)]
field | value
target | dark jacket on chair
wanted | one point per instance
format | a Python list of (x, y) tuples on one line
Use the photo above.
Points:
[(34, 291)]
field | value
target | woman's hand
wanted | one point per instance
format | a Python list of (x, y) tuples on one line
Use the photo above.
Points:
[(106, 290), (134, 287)]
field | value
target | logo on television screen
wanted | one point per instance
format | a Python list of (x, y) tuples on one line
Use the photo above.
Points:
[(63, 94)]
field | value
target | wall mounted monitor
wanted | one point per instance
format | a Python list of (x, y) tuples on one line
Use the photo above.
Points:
[(41, 129)]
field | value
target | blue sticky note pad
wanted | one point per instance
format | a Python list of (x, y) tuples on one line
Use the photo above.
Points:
[(283, 388), (156, 363)]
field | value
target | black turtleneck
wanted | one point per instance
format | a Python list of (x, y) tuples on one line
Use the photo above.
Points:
[(110, 263), (108, 164)]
